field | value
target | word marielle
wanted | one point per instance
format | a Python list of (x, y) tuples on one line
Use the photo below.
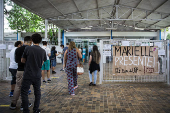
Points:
[(133, 51)]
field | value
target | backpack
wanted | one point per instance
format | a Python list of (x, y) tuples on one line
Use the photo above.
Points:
[(52, 57)]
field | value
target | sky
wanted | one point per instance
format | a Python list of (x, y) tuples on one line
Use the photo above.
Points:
[(6, 24)]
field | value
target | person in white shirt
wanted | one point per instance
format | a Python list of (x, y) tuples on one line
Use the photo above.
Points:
[(46, 64), (13, 66)]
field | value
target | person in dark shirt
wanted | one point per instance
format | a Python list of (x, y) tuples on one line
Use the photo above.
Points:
[(53, 59), (33, 57), (19, 76)]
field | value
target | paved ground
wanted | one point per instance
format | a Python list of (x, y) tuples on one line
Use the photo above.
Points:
[(105, 98)]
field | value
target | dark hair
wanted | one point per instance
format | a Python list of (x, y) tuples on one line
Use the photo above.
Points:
[(36, 38), (95, 54), (62, 46), (95, 48), (27, 38), (44, 42), (67, 43), (17, 43), (53, 48)]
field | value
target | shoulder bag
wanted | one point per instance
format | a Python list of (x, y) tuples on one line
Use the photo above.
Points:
[(80, 69)]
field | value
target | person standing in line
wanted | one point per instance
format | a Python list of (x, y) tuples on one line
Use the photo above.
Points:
[(53, 59), (62, 55), (71, 58), (46, 64), (20, 71), (33, 57), (13, 66), (80, 51), (94, 64), (65, 48)]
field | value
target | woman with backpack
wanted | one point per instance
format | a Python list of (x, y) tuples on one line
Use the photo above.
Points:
[(53, 59)]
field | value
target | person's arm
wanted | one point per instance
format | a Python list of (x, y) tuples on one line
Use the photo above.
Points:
[(65, 58), (99, 58), (24, 56), (45, 58), (57, 54), (79, 53), (61, 52), (90, 59), (23, 60), (49, 54)]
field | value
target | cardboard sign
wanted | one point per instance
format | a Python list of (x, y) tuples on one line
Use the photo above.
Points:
[(135, 60)]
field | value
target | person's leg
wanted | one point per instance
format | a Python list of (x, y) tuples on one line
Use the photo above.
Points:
[(24, 94), (75, 78), (53, 66), (37, 92), (62, 60), (90, 76), (17, 91), (48, 74), (62, 65), (43, 71), (13, 81), (47, 67), (70, 81), (95, 76)]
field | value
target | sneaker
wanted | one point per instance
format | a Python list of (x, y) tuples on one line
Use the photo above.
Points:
[(53, 72), (11, 94), (29, 92), (62, 70), (94, 84), (48, 80), (29, 105), (37, 111), (44, 81), (76, 87), (91, 83), (12, 106)]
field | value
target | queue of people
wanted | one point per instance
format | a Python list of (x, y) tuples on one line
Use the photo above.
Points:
[(28, 64)]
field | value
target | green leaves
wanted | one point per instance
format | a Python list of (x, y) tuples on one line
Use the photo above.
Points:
[(168, 36), (21, 19)]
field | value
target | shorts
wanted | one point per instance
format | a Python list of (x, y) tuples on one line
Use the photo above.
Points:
[(46, 65), (13, 72), (53, 63)]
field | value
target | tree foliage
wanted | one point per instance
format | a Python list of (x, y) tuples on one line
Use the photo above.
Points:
[(21, 19), (53, 36), (168, 36)]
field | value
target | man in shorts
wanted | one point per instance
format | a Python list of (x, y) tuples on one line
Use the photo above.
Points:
[(46, 65)]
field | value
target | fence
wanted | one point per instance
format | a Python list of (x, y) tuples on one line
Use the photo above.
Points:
[(5, 48), (110, 72)]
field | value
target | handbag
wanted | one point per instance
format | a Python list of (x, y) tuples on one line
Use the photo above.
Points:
[(80, 69)]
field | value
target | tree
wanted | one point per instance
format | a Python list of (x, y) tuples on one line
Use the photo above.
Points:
[(168, 36), (21, 19), (53, 36)]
